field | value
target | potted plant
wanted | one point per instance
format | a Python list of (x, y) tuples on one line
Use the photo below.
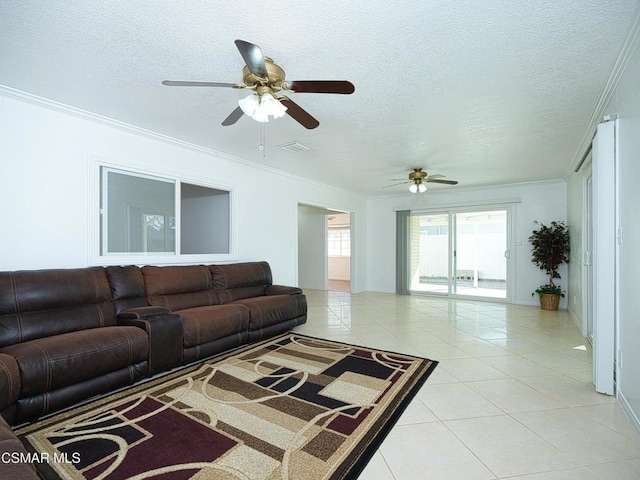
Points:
[(550, 250)]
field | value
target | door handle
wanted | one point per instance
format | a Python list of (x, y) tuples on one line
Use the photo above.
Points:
[(507, 254)]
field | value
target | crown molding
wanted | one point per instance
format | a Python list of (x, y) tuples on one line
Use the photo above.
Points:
[(94, 117), (629, 47)]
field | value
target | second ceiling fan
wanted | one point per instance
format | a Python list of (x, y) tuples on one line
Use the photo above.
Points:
[(418, 178), (267, 80)]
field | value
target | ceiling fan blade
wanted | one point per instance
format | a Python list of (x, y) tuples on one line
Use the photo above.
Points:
[(181, 83), (300, 115), (396, 184), (435, 175), (447, 182), (233, 117), (321, 86), (252, 56)]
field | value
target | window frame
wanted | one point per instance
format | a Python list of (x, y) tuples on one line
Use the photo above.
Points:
[(97, 218), (104, 211), (342, 242)]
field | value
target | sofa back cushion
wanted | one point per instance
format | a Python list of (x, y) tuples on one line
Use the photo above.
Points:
[(41, 303), (240, 280), (127, 287), (179, 287)]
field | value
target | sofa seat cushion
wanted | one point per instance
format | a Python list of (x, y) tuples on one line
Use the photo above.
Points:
[(205, 324), (49, 363), (272, 309)]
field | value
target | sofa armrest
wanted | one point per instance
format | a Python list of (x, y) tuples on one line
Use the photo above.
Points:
[(164, 331), (13, 463), (282, 290), (142, 313), (9, 381)]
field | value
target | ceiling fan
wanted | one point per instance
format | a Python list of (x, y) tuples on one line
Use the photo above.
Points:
[(417, 180), (267, 80)]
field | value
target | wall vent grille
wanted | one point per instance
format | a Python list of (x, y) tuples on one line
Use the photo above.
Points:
[(294, 147)]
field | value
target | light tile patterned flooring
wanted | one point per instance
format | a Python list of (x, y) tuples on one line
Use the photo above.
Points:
[(511, 398)]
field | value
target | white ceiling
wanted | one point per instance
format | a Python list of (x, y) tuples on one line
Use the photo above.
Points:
[(490, 92)]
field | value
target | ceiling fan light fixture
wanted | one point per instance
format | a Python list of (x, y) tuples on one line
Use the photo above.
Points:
[(272, 106), (260, 115), (259, 107), (249, 104), (417, 187)]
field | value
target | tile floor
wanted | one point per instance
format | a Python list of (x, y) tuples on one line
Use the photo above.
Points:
[(511, 398)]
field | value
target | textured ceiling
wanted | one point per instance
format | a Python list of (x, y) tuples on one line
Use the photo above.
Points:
[(486, 92)]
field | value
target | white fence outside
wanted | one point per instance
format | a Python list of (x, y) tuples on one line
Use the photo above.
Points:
[(481, 254)]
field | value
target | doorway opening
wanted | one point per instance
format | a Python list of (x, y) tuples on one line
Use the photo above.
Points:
[(339, 252), (325, 249)]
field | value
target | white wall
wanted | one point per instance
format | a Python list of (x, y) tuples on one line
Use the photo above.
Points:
[(339, 268), (626, 103), (312, 247), (542, 201), (47, 153)]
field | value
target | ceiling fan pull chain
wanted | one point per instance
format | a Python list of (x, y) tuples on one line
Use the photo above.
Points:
[(262, 139)]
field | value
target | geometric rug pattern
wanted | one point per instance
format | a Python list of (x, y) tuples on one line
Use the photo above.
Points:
[(292, 407)]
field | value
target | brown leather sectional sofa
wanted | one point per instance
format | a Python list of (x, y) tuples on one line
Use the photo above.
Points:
[(68, 335)]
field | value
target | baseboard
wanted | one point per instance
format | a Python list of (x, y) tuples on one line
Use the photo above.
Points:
[(536, 303), (527, 303), (577, 321), (629, 413)]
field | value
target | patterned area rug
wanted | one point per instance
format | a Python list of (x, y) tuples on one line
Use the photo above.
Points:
[(292, 407)]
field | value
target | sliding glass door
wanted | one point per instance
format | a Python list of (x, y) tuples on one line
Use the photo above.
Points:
[(459, 253), (429, 253)]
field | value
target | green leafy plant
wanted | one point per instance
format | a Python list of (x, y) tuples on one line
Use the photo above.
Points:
[(550, 250), (548, 290)]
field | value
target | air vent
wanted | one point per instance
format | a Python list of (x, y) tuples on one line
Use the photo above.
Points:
[(294, 147)]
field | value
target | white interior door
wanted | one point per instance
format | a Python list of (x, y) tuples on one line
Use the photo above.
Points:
[(605, 249)]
